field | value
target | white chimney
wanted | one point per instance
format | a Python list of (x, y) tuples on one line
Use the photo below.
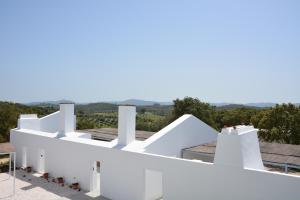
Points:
[(67, 118), (126, 124), (238, 146)]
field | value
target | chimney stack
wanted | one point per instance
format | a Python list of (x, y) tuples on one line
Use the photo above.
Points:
[(126, 124), (67, 118), (239, 146)]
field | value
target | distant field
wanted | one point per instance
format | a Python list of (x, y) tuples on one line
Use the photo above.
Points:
[(145, 121), (93, 108)]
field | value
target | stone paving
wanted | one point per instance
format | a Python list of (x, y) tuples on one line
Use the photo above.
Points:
[(32, 187)]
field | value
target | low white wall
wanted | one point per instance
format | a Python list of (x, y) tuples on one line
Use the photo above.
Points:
[(29, 123), (49, 123), (123, 172)]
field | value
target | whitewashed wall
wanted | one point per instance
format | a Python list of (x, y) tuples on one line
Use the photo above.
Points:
[(29, 121), (123, 172)]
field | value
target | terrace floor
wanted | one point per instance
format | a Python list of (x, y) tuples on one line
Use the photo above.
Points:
[(32, 187)]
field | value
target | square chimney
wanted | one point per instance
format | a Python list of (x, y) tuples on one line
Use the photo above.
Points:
[(67, 118), (126, 124)]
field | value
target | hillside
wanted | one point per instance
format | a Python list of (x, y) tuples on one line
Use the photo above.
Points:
[(139, 102), (236, 106), (96, 108), (9, 113)]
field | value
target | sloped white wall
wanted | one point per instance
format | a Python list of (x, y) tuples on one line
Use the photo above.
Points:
[(50, 123), (186, 131)]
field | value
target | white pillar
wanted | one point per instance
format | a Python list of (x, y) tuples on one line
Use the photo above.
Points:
[(14, 182), (9, 170), (126, 124), (66, 118)]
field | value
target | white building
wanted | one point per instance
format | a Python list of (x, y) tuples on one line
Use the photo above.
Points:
[(150, 169)]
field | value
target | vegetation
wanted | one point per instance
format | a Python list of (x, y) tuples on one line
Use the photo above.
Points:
[(145, 121), (150, 122), (96, 120), (277, 124), (9, 113), (96, 108), (188, 105)]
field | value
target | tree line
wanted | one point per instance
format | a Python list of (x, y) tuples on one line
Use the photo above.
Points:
[(9, 114), (280, 123), (277, 124)]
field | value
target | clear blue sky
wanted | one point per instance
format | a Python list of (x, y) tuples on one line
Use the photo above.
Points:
[(88, 51)]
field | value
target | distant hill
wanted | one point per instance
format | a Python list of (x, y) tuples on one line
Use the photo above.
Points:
[(156, 106), (261, 105), (110, 107), (236, 106), (48, 103), (96, 107), (247, 105), (258, 105), (266, 104), (220, 104), (139, 102)]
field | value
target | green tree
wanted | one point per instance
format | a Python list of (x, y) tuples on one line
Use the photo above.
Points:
[(279, 124), (194, 106), (143, 111), (9, 113), (85, 123), (233, 117)]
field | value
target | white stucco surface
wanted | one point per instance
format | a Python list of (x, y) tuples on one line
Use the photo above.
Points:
[(239, 147), (125, 169), (186, 131)]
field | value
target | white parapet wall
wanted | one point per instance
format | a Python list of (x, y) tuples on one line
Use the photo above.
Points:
[(29, 121), (134, 174), (62, 121), (123, 173)]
